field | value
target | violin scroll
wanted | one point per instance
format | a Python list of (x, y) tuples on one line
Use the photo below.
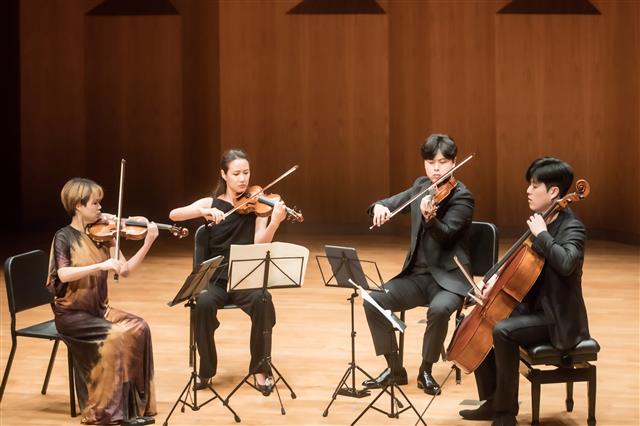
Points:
[(177, 231)]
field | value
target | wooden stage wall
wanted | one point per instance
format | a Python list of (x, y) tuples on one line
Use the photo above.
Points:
[(347, 97)]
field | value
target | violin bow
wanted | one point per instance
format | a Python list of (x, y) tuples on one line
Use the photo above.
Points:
[(118, 224), (442, 179), (257, 194)]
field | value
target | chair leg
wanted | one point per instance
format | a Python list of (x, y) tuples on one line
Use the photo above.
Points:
[(52, 359), (569, 400), (591, 390), (72, 390), (535, 403), (5, 377)]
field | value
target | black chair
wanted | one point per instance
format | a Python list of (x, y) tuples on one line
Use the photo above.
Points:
[(483, 253), (25, 276), (571, 366)]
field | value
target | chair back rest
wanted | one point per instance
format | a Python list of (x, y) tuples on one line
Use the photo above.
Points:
[(25, 276), (483, 247), (200, 245)]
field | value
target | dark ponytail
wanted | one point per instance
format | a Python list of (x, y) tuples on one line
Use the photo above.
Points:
[(227, 158)]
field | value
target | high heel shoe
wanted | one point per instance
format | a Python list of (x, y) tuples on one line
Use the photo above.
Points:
[(265, 388), (202, 383)]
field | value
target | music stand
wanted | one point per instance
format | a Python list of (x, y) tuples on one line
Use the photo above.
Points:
[(192, 287), (346, 266), (266, 266), (391, 387)]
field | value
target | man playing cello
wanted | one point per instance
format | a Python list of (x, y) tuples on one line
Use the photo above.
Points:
[(553, 310)]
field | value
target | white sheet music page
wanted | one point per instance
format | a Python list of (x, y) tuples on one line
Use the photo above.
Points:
[(247, 266)]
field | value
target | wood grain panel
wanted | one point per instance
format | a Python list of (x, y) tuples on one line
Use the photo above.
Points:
[(52, 104), (348, 97), (200, 97), (442, 81), (313, 91), (134, 109), (561, 81)]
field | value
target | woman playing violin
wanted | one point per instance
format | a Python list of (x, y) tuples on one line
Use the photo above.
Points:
[(553, 310), (111, 348), (428, 276), (235, 228)]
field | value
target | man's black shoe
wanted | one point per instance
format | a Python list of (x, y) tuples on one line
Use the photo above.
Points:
[(138, 421), (428, 383), (505, 420), (385, 378), (483, 412)]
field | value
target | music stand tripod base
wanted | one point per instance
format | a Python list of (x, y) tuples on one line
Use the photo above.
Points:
[(191, 288), (246, 263), (394, 412)]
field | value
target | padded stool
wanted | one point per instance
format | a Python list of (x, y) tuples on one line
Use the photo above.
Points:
[(572, 366)]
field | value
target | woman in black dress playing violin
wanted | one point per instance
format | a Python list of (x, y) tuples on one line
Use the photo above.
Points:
[(233, 229)]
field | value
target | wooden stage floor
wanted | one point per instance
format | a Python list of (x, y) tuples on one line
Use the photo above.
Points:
[(312, 347)]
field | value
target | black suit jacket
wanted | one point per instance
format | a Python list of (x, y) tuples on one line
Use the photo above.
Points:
[(446, 235), (558, 289)]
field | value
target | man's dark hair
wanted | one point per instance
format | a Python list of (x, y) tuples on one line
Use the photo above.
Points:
[(438, 142), (551, 172)]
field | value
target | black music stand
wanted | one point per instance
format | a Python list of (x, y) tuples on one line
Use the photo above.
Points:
[(346, 266), (391, 387), (254, 267), (192, 287)]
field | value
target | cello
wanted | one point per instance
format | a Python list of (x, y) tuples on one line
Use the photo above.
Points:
[(510, 280)]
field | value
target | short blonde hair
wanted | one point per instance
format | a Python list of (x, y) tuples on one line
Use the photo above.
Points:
[(79, 190)]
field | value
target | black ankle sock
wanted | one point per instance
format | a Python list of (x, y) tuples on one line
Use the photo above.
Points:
[(426, 366), (393, 361)]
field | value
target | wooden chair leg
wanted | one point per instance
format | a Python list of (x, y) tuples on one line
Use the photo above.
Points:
[(591, 390), (535, 403), (5, 377), (569, 400), (72, 388), (52, 359)]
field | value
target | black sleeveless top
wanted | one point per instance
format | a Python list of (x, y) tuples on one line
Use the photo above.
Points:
[(235, 229)]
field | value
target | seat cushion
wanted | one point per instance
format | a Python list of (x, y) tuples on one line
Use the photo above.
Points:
[(587, 350), (44, 330)]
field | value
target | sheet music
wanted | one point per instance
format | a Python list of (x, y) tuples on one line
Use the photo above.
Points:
[(393, 318), (248, 266)]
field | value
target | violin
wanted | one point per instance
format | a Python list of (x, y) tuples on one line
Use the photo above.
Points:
[(435, 185), (134, 228), (255, 201), (441, 194), (262, 205)]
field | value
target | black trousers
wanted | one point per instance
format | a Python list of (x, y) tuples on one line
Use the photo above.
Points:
[(263, 317), (497, 377), (406, 293)]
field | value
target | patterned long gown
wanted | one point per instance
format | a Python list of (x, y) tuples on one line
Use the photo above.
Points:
[(112, 351)]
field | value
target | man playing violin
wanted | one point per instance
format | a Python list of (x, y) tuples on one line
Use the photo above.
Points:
[(553, 310), (235, 228), (111, 348), (429, 276)]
